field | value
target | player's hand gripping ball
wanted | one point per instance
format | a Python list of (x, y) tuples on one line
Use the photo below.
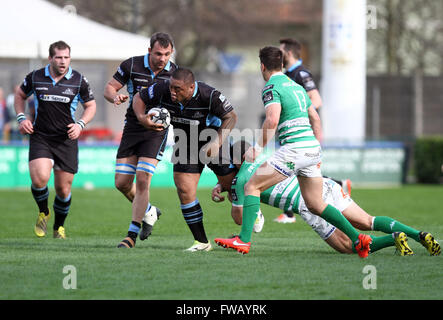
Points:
[(160, 116)]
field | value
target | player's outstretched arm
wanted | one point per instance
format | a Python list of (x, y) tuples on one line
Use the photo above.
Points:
[(111, 92)]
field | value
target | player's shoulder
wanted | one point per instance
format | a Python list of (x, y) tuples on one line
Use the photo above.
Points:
[(278, 81), (156, 89), (205, 91), (303, 72), (137, 59), (172, 66), (77, 76), (41, 72)]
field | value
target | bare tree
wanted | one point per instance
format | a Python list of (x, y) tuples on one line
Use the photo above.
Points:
[(409, 36), (199, 25)]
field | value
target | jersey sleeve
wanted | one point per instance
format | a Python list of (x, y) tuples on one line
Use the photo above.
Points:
[(151, 95), (86, 93), (306, 80), (219, 105), (270, 95), (123, 72), (27, 85)]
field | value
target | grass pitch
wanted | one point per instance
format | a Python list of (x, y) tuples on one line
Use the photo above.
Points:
[(286, 262)]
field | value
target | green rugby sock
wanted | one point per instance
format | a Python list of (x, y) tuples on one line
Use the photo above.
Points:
[(389, 225), (334, 217), (251, 206), (379, 243)]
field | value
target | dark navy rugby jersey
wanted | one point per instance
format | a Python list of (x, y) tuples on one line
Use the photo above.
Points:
[(136, 74), (204, 110), (56, 102), (301, 75)]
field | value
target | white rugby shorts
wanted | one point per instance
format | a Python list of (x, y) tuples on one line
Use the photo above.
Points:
[(333, 195), (304, 162)]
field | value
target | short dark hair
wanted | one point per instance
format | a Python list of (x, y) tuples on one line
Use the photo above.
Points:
[(292, 45), (272, 58), (184, 74), (60, 45), (163, 39)]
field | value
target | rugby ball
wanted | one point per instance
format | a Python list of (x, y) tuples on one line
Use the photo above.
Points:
[(160, 116)]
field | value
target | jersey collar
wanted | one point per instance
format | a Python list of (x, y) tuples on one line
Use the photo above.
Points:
[(277, 74), (295, 65), (146, 62), (68, 74), (196, 89)]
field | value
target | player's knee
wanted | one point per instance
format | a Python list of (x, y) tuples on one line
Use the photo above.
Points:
[(315, 207), (63, 191), (143, 181), (250, 187), (367, 226), (40, 180), (123, 185)]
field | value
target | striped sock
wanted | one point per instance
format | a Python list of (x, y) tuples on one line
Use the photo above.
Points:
[(61, 209), (193, 214), (41, 196), (134, 230)]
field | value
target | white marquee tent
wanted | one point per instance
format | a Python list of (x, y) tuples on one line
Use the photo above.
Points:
[(28, 27)]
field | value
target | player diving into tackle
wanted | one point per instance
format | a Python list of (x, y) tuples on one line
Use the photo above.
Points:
[(287, 196)]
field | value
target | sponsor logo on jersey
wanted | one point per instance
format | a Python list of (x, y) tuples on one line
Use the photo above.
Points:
[(141, 80), (140, 88), (69, 92), (198, 114), (304, 74), (268, 96), (120, 71), (151, 91), (185, 121), (54, 98), (42, 88), (269, 86)]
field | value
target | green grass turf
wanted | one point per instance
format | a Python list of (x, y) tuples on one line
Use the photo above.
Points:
[(286, 262)]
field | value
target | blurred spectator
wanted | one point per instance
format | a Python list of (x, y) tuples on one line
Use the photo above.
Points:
[(3, 113), (11, 126)]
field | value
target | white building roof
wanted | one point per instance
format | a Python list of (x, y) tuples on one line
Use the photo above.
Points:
[(28, 27)]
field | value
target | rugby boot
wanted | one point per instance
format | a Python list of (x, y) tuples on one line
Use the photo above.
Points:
[(401, 243), (60, 233), (148, 222), (259, 222), (200, 246), (127, 242), (283, 218), (362, 245), (428, 241), (234, 243), (41, 225)]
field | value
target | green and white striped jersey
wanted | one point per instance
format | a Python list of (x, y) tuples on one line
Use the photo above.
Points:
[(294, 126), (284, 195)]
